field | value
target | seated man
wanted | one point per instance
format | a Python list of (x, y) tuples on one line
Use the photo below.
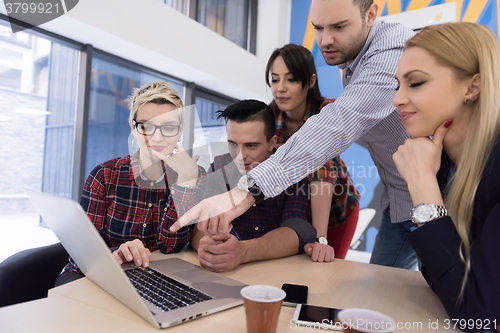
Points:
[(273, 228)]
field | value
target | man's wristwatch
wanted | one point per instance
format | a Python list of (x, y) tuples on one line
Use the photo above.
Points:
[(423, 212), (248, 184), (322, 240)]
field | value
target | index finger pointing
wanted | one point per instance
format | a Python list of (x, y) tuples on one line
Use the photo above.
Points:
[(190, 217)]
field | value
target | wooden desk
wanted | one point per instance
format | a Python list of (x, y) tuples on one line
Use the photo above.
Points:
[(81, 306)]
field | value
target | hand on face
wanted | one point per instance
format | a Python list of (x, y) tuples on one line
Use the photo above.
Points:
[(184, 165), (320, 252), (420, 158), (133, 251), (220, 253)]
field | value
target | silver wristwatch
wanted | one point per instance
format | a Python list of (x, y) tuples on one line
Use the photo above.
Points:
[(322, 240), (423, 212), (248, 184)]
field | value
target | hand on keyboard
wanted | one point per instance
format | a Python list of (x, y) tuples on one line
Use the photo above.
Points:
[(133, 251)]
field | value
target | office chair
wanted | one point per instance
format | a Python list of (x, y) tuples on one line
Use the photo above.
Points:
[(29, 274), (340, 236), (365, 217)]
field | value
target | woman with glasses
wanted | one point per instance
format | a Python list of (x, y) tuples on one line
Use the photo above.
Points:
[(133, 200)]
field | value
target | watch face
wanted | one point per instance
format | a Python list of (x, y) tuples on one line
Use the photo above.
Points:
[(250, 182), (423, 213), (322, 240), (245, 183)]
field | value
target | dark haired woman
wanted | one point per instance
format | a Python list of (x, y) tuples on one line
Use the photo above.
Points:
[(291, 74)]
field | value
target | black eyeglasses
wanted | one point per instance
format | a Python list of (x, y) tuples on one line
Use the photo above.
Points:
[(150, 129)]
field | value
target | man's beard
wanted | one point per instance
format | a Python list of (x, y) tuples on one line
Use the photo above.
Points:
[(350, 52)]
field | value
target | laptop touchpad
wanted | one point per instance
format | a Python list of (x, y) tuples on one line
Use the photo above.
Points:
[(197, 275)]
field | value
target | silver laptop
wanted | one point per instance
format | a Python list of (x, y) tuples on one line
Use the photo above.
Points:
[(171, 292)]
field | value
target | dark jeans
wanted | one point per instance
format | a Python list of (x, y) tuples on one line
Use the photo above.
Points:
[(392, 247)]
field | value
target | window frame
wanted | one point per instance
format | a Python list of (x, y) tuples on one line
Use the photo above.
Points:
[(251, 46), (87, 52)]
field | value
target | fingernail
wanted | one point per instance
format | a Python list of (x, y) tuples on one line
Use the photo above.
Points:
[(129, 258), (448, 123), (138, 262)]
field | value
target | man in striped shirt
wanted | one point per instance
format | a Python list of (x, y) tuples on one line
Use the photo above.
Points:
[(368, 51)]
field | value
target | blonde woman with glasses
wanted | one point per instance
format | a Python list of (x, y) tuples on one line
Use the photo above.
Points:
[(134, 200), (449, 76)]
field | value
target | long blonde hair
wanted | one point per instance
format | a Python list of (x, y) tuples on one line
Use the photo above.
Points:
[(469, 49)]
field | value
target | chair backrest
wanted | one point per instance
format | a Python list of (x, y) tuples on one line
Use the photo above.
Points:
[(340, 236), (29, 274), (365, 217)]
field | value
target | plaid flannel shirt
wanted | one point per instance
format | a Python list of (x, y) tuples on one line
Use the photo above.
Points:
[(269, 214), (123, 205), (346, 196)]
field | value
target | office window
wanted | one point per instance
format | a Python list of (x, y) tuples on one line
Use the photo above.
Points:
[(38, 88), (16, 58), (234, 19), (10, 77), (48, 128), (210, 130), (227, 18), (179, 5), (108, 128)]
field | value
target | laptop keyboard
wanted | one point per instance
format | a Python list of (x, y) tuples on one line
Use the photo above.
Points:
[(162, 291)]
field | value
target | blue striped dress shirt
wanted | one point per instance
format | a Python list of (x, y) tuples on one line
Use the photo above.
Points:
[(363, 110)]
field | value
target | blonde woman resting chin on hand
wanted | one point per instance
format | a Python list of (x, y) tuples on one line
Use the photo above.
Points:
[(448, 79)]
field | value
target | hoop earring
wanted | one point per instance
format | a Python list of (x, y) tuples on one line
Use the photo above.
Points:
[(132, 143)]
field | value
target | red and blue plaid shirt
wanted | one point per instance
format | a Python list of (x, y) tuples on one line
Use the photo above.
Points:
[(269, 214), (346, 195), (125, 206)]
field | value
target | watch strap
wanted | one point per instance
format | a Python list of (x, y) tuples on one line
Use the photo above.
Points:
[(439, 211), (257, 193), (248, 184)]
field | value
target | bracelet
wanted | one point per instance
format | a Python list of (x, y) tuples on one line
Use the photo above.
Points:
[(186, 186)]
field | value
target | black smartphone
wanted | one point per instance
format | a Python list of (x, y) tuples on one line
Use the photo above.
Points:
[(307, 316), (295, 294)]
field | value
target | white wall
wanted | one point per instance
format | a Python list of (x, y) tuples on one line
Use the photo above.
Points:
[(157, 36), (273, 27), (273, 30)]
